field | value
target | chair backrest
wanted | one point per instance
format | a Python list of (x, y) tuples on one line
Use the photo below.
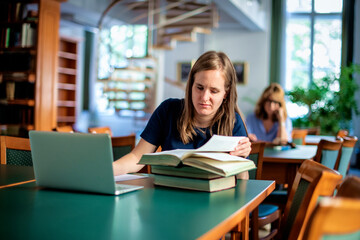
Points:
[(122, 145), (298, 136), (342, 133), (328, 152), (313, 131), (343, 160), (15, 151), (257, 155), (349, 188), (66, 128), (311, 181), (159, 149), (100, 130), (335, 218)]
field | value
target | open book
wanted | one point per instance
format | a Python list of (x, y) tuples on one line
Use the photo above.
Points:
[(212, 157)]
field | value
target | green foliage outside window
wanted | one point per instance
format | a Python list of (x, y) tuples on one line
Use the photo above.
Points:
[(331, 101), (119, 43)]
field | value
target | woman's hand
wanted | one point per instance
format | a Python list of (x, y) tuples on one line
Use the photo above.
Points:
[(252, 137), (243, 148), (280, 115)]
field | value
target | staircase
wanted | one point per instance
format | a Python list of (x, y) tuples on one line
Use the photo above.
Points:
[(170, 21)]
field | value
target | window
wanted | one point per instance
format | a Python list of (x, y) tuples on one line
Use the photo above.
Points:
[(313, 40), (118, 47), (313, 44), (119, 43)]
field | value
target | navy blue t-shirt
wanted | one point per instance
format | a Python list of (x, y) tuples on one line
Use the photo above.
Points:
[(161, 130)]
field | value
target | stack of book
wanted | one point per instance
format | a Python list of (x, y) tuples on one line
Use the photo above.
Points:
[(209, 168)]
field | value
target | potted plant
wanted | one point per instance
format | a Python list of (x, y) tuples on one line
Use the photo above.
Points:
[(331, 101)]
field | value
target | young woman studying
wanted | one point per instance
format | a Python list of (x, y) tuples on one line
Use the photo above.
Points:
[(209, 107), (269, 122)]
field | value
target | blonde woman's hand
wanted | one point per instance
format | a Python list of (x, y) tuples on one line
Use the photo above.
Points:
[(280, 114), (243, 148)]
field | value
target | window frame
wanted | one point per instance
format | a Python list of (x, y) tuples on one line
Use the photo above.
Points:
[(312, 15)]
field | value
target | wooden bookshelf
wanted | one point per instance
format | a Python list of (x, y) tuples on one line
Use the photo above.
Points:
[(67, 81), (28, 64), (132, 88)]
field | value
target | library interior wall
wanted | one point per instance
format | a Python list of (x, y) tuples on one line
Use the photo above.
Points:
[(239, 45), (251, 47)]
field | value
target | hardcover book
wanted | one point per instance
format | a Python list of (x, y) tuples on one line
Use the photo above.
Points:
[(207, 185), (212, 157), (184, 171)]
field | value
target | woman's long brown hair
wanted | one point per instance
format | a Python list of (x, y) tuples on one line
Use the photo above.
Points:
[(224, 119)]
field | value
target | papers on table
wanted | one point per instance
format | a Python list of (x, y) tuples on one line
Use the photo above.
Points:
[(126, 177)]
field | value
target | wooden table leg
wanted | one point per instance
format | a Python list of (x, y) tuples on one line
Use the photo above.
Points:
[(245, 228)]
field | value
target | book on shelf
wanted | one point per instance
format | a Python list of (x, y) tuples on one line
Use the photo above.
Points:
[(212, 157), (207, 185), (28, 35)]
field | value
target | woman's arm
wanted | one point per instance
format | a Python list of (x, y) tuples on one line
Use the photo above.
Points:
[(282, 136), (128, 163)]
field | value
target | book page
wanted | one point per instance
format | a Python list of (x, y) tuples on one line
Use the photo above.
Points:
[(216, 143), (222, 168), (179, 153), (219, 143), (224, 157)]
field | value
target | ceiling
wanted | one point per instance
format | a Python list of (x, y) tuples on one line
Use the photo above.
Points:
[(88, 13)]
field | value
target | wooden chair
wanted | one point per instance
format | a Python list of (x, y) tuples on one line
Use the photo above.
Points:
[(339, 216), (335, 217), (342, 133), (15, 151), (313, 131), (349, 188), (265, 213), (343, 161), (159, 149), (66, 128), (328, 152), (311, 181), (100, 130), (123, 145), (298, 136)]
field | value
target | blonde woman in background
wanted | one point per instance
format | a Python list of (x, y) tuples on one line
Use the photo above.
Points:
[(270, 122)]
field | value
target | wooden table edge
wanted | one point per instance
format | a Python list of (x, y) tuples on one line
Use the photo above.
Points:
[(278, 160), (15, 184), (236, 218)]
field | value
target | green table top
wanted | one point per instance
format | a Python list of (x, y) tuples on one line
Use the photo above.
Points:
[(300, 152), (30, 212), (315, 139), (14, 174)]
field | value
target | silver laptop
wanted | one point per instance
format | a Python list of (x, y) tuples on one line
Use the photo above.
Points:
[(75, 161)]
